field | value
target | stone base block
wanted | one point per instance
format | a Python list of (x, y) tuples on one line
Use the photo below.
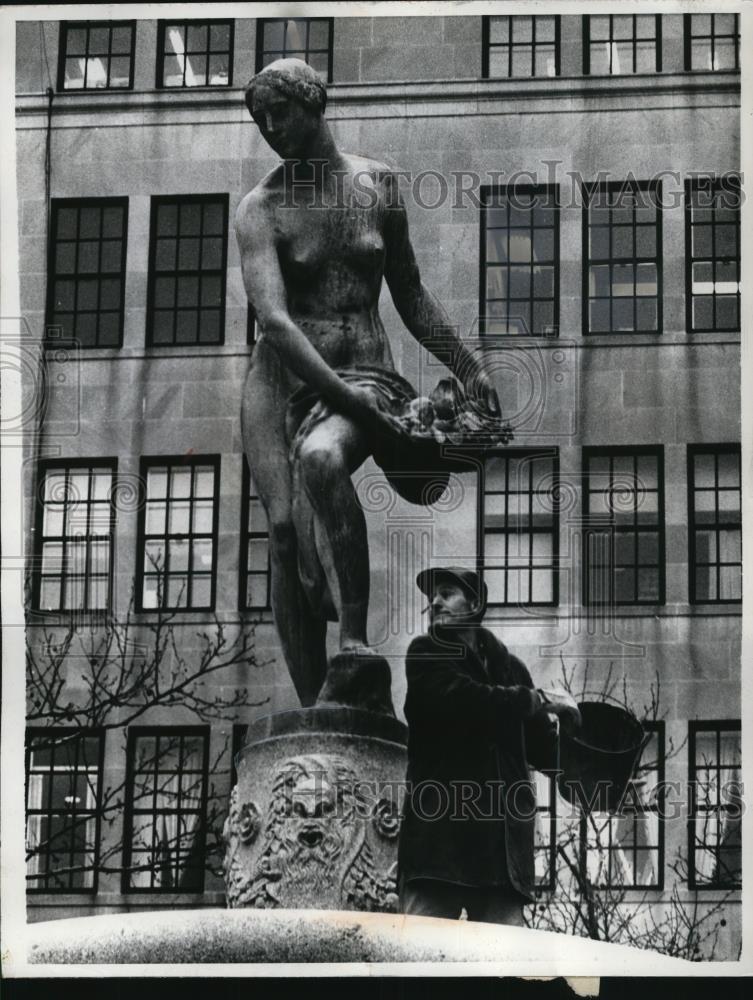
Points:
[(314, 817)]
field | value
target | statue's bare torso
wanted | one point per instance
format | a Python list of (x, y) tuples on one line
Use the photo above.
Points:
[(331, 252)]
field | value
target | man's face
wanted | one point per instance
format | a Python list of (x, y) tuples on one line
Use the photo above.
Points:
[(449, 601)]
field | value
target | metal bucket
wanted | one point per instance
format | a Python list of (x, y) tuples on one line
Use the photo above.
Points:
[(598, 760)]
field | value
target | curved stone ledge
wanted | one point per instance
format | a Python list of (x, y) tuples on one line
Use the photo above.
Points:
[(314, 936)]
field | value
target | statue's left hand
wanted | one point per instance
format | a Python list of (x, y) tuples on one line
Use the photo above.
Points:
[(480, 389)]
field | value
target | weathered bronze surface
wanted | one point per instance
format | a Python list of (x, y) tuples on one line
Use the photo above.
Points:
[(317, 236)]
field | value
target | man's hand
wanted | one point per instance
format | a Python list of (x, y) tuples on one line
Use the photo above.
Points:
[(564, 706)]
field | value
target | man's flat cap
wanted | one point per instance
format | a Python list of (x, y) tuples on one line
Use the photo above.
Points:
[(465, 578)]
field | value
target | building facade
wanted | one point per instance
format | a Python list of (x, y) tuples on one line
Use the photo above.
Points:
[(572, 188)]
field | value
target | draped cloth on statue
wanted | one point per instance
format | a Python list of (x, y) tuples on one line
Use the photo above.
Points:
[(413, 466)]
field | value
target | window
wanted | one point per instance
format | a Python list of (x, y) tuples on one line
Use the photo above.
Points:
[(715, 523), (254, 584), (520, 261), (712, 254), (63, 798), (166, 809), (545, 839), (75, 529), (188, 253), (250, 326), (623, 507), (626, 848), (195, 54), (178, 529), (238, 742), (618, 44), (307, 38), (85, 297), (712, 41), (96, 55), (520, 527), (519, 46), (622, 275), (714, 827)]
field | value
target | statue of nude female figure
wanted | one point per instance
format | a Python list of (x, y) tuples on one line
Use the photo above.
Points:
[(313, 273)]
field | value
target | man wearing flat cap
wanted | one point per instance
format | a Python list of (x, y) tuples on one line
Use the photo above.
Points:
[(475, 723)]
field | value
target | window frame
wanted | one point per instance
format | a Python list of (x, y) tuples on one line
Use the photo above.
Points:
[(694, 184), (657, 808), (179, 200), (727, 448), (487, 45), (146, 462), (628, 185), (489, 191), (546, 453), (52, 274), (261, 24), (601, 451), (44, 466), (162, 25), (245, 536), (696, 726), (130, 811), (586, 35), (50, 732), (65, 26), (688, 38)]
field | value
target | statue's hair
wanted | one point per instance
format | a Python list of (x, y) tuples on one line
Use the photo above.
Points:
[(297, 80)]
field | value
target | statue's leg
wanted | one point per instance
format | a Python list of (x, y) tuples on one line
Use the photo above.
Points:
[(332, 450), (302, 632)]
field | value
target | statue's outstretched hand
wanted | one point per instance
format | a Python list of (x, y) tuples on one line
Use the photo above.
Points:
[(480, 390), (369, 415)]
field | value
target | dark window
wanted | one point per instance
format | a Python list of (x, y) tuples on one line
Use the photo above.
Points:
[(254, 585), (622, 273), (307, 38), (714, 511), (75, 530), (178, 529), (626, 848), (545, 839), (85, 297), (238, 741), (96, 55), (712, 41), (714, 827), (195, 54), (619, 44), (520, 261), (188, 254), (63, 800), (623, 507), (712, 237), (520, 531), (519, 45), (165, 821), (250, 325)]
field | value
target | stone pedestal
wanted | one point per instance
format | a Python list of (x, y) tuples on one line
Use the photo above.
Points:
[(314, 817)]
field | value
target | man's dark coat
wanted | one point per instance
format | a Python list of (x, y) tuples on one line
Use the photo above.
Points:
[(471, 730)]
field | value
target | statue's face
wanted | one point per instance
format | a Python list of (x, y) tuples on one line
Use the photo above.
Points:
[(286, 124)]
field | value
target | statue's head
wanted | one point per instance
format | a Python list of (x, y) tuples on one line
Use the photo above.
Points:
[(287, 101)]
